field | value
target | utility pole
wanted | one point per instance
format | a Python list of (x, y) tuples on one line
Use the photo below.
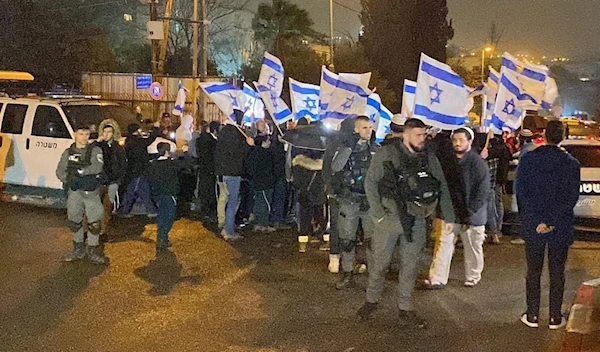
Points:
[(155, 57), (331, 34), (195, 62)]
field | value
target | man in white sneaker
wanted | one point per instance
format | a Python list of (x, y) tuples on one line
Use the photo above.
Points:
[(471, 216), (547, 188)]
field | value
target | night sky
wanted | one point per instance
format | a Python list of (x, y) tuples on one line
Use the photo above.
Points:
[(548, 27)]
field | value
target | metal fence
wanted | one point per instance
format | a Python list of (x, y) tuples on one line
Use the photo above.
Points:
[(121, 88)]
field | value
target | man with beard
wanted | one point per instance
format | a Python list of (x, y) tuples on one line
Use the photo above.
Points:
[(471, 216), (404, 185)]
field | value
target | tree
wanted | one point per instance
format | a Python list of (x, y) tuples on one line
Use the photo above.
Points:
[(55, 44), (351, 57), (286, 31), (395, 32), (431, 29), (282, 23)]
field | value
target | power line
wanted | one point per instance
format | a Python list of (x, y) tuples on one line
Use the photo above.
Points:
[(346, 7)]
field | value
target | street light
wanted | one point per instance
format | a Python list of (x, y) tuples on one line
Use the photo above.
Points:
[(487, 49)]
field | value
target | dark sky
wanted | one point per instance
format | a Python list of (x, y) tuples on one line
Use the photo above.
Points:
[(548, 27)]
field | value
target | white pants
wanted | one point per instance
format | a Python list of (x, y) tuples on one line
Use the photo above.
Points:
[(472, 238)]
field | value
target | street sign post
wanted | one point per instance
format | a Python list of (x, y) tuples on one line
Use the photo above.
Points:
[(156, 91), (143, 81)]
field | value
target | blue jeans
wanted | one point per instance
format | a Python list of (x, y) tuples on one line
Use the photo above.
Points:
[(263, 201), (233, 187), (278, 206), (138, 188), (165, 219)]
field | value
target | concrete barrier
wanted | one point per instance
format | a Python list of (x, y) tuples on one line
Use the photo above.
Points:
[(583, 329)]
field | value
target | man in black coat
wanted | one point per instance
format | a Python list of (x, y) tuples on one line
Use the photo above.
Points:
[(547, 188), (232, 147), (206, 144)]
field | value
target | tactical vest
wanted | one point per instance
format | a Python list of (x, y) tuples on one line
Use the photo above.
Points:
[(79, 160), (351, 179)]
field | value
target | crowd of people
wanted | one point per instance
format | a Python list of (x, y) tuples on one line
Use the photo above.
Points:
[(350, 193)]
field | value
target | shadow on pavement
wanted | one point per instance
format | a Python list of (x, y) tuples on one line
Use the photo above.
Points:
[(54, 296), (164, 272)]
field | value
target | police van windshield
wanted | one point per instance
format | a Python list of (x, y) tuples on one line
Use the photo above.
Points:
[(588, 156), (94, 114)]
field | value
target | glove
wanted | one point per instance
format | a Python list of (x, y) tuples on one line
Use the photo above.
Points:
[(351, 142)]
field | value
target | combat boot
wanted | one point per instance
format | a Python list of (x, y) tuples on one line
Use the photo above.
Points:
[(78, 252), (95, 256), (346, 282)]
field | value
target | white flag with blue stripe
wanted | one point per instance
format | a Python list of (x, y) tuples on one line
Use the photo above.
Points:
[(408, 98), (305, 100), (508, 109), (348, 98), (328, 83), (254, 109), (534, 80), (441, 98), (271, 74), (180, 101), (278, 109), (226, 97), (379, 115)]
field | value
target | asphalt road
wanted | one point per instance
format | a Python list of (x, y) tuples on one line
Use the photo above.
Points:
[(257, 295)]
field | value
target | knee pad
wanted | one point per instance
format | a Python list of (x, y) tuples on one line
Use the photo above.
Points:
[(347, 245), (95, 228), (75, 226)]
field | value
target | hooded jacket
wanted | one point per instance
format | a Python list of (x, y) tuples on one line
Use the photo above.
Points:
[(547, 187), (115, 158)]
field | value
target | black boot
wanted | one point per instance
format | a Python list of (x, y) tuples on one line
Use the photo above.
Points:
[(346, 282), (366, 310)]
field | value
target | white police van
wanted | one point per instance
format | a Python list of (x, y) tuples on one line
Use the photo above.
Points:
[(587, 211), (34, 132)]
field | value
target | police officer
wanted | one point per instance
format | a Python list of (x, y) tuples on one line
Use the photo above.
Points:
[(80, 170), (399, 170), (350, 165)]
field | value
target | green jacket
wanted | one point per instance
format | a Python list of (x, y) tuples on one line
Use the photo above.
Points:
[(382, 206)]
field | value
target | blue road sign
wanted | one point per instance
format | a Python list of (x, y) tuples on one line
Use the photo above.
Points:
[(143, 82)]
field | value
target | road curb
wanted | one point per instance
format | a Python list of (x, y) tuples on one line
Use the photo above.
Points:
[(583, 329)]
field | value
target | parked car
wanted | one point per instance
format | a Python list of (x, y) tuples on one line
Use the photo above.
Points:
[(34, 131)]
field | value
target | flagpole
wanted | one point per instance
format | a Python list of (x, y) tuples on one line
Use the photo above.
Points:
[(331, 34)]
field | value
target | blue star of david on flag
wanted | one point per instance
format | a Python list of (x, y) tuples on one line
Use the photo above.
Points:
[(435, 93), (310, 103), (348, 104), (272, 82), (274, 99), (509, 107), (234, 101)]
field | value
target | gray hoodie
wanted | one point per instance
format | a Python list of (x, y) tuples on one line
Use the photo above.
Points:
[(476, 178)]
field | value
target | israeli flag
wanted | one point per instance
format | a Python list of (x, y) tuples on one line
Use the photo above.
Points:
[(532, 80), (180, 101), (226, 97), (305, 100), (441, 98), (379, 115), (254, 109), (278, 109), (508, 109), (271, 74), (408, 98), (491, 91), (348, 98), (328, 84)]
